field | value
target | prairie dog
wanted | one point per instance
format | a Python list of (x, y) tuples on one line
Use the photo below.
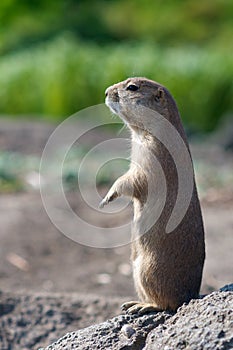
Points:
[(167, 267)]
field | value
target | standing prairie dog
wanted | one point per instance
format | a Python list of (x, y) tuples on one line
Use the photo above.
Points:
[(167, 267)]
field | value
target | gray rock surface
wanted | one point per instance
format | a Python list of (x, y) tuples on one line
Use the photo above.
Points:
[(122, 332), (205, 323), (33, 321), (202, 324)]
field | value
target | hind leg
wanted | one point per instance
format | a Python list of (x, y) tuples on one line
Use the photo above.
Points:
[(140, 307)]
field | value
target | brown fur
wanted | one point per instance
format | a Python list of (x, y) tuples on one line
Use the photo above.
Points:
[(167, 268)]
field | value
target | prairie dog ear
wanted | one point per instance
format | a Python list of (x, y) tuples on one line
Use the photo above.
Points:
[(159, 95)]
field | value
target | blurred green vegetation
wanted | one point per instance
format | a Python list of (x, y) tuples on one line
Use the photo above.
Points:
[(13, 167), (58, 57)]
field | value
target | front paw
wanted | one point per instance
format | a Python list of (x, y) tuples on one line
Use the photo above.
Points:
[(108, 198)]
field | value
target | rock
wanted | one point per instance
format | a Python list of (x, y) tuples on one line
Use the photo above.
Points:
[(112, 333), (227, 288), (33, 321), (202, 324), (205, 323)]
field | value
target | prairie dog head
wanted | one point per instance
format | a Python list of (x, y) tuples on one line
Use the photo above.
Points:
[(128, 98)]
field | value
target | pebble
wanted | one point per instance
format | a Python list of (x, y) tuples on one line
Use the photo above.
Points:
[(127, 330)]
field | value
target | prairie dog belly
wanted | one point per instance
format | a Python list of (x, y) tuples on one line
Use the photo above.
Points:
[(137, 276)]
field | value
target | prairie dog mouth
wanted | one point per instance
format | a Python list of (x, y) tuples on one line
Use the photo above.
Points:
[(113, 106)]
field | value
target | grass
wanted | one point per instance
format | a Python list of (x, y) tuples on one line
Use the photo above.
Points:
[(63, 76)]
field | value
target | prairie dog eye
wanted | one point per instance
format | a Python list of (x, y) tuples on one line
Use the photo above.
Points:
[(132, 87)]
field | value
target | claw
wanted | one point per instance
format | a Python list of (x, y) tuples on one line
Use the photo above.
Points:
[(127, 305), (102, 203), (136, 307), (108, 199)]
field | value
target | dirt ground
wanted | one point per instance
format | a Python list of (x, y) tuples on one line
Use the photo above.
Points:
[(36, 257)]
